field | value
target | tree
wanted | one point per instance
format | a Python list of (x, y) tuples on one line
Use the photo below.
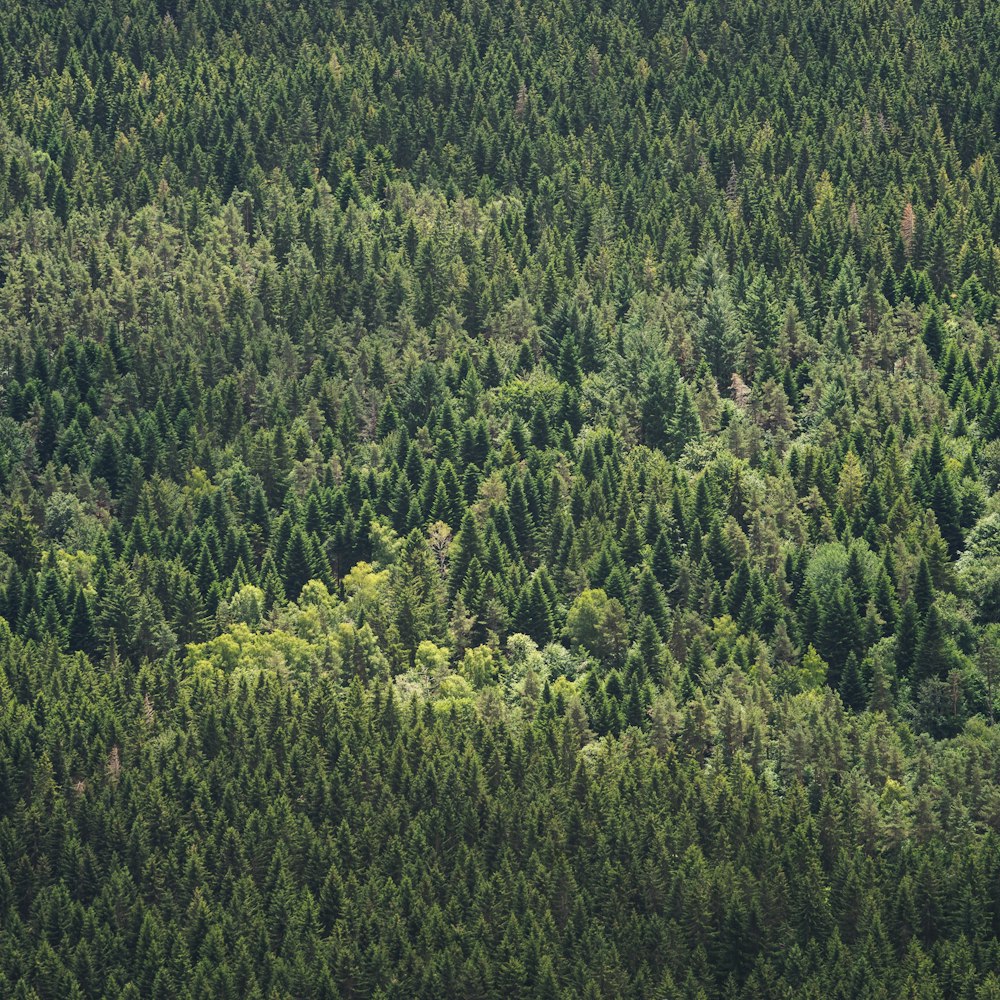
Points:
[(534, 612), (933, 334), (933, 658), (597, 623), (718, 334), (299, 563), (658, 405), (852, 688), (947, 511), (841, 634), (468, 546), (813, 670), (118, 614), (852, 484), (81, 633), (19, 538), (686, 425), (989, 664), (923, 588), (651, 601), (907, 639), (107, 464)]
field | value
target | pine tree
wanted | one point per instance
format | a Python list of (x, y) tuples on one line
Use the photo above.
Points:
[(81, 631), (663, 564), (19, 538), (651, 601), (468, 546), (718, 334), (841, 634), (947, 511), (907, 638), (299, 563), (933, 334), (658, 406), (534, 612), (852, 688), (932, 657), (686, 425), (923, 588)]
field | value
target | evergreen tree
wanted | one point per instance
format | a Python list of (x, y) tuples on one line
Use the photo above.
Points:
[(299, 561), (718, 334), (534, 613)]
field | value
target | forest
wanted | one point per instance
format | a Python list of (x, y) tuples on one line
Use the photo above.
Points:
[(499, 499)]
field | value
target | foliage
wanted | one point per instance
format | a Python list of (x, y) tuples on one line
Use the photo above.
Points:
[(495, 499)]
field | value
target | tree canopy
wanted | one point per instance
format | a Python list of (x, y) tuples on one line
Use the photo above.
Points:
[(499, 499)]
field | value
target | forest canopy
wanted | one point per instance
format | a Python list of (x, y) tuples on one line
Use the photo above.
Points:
[(499, 499)]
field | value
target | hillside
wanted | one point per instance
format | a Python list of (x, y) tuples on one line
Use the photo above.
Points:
[(499, 499)]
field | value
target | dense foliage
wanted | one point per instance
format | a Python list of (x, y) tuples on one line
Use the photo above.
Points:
[(499, 500)]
